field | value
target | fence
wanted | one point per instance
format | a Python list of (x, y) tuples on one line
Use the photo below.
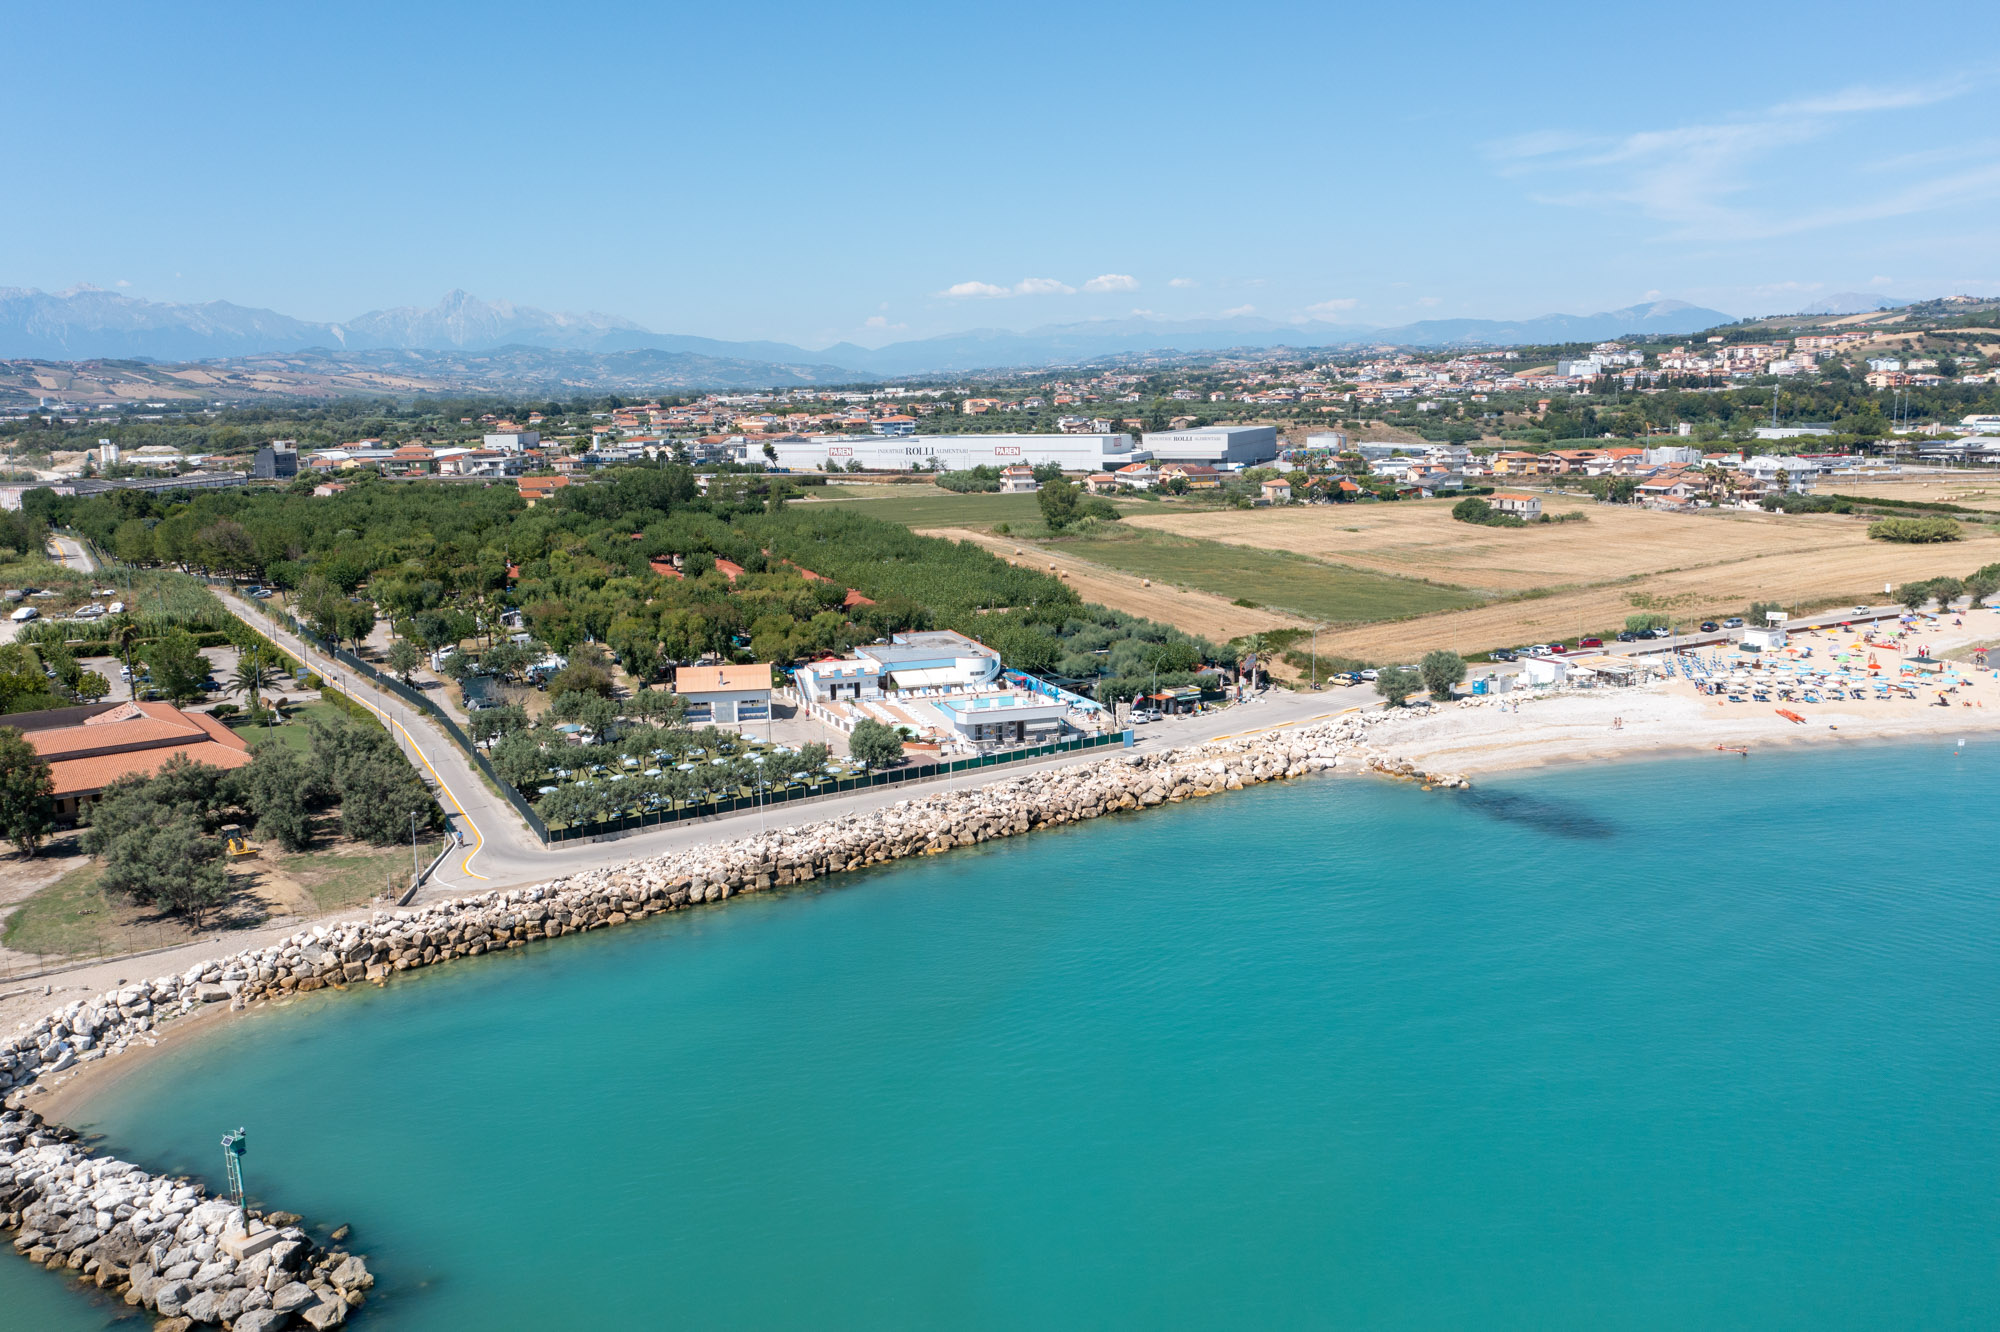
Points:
[(664, 817)]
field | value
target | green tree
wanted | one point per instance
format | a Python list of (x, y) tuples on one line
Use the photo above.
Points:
[(491, 724), (1913, 596), (1395, 684), (1058, 500), (1947, 590), (178, 668), (281, 791), (1441, 670), (1472, 509), (27, 789), (1645, 623), (403, 658), (91, 686), (252, 674), (156, 837), (876, 744)]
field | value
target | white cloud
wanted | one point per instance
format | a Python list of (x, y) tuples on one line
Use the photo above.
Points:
[(1112, 282), (1043, 287), (1879, 281), (881, 321), (969, 290), (1338, 305), (1183, 282), (1429, 300), (1705, 180), (1239, 310), (121, 282)]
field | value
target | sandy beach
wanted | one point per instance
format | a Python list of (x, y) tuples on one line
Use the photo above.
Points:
[(1527, 728)]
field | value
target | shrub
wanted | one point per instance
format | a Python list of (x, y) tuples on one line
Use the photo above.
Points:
[(1395, 684), (1915, 531)]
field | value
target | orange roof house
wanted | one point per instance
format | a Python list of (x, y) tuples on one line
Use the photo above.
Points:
[(90, 747), (540, 487)]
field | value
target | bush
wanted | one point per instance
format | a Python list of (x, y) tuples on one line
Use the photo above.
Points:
[(1395, 684), (1640, 624), (1915, 531)]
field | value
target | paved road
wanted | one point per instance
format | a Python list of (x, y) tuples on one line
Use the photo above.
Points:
[(500, 851), (70, 551)]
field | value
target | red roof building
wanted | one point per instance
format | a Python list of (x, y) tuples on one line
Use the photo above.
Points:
[(90, 747)]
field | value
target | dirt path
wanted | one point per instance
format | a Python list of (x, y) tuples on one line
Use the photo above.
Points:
[(1195, 612)]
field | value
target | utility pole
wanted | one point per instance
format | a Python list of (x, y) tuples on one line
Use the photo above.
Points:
[(416, 864)]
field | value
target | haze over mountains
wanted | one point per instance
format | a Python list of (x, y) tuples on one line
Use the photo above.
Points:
[(87, 323)]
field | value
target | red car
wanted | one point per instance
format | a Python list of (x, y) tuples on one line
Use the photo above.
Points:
[(1590, 642), (1557, 647)]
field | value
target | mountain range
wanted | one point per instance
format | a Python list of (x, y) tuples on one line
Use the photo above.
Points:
[(1854, 302), (88, 323)]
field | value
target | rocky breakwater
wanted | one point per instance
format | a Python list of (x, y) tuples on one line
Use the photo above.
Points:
[(162, 1243), (389, 942)]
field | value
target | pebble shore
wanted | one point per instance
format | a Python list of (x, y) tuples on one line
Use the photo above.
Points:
[(161, 1241)]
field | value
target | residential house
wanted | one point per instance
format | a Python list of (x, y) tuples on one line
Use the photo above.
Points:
[(1199, 476), (1276, 491), (727, 694), (1018, 480), (1526, 507), (534, 489)]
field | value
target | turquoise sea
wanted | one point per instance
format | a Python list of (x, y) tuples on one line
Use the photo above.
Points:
[(1711, 1042)]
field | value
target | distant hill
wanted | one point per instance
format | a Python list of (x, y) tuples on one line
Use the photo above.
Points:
[(1854, 302), (87, 323)]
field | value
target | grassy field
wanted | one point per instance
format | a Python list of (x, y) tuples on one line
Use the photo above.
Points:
[(74, 917), (1314, 590)]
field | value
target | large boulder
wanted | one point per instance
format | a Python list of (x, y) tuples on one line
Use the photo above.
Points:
[(263, 1320)]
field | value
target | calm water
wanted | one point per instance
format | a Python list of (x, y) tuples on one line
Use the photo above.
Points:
[(1706, 1043)]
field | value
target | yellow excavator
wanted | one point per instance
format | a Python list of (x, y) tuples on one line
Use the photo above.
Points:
[(235, 844)]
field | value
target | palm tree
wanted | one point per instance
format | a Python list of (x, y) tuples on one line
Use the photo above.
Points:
[(127, 638), (251, 675)]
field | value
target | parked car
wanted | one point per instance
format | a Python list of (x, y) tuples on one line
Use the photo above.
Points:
[(1503, 654), (1733, 622), (1557, 648), (1860, 610), (1661, 632), (25, 614), (1371, 675), (1628, 637), (1708, 626), (1590, 642)]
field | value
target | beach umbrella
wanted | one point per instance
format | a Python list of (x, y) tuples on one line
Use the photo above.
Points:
[(685, 767), (547, 790)]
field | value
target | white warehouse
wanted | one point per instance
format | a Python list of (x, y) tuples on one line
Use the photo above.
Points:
[(950, 453), (1219, 446)]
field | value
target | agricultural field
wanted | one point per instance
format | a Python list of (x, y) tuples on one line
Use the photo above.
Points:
[(1188, 609), (930, 506), (1563, 580)]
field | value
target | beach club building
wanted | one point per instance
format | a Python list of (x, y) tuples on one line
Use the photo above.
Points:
[(940, 686), (725, 695)]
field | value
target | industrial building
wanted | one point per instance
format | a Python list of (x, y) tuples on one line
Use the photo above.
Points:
[(1219, 446), (275, 464), (945, 453)]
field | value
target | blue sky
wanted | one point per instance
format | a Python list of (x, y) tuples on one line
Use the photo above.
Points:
[(885, 171)]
